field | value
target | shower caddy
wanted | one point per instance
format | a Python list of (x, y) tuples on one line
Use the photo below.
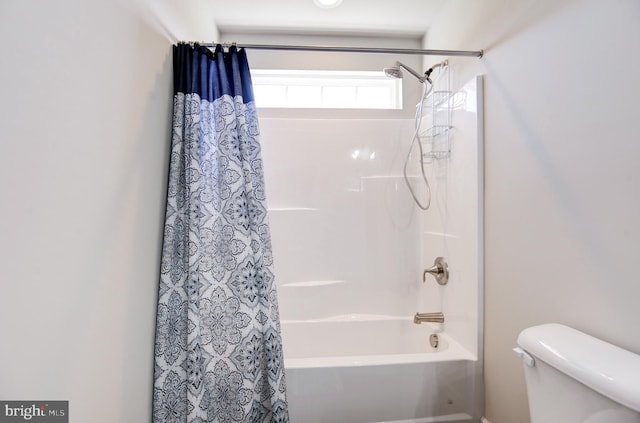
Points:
[(436, 117)]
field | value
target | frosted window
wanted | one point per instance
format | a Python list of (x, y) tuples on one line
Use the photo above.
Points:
[(276, 95), (374, 97), (326, 89), (339, 97), (303, 96)]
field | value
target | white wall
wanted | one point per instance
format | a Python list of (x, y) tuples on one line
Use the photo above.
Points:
[(561, 172), (85, 118)]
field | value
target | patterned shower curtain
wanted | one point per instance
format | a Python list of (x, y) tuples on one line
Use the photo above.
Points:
[(218, 351)]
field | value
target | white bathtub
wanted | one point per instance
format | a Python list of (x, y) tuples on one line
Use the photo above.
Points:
[(375, 369)]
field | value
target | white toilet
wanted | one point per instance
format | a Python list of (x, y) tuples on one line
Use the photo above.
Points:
[(573, 377)]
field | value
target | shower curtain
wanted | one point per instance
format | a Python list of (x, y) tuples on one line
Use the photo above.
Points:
[(218, 351)]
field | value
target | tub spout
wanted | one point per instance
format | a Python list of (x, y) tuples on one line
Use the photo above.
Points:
[(428, 317)]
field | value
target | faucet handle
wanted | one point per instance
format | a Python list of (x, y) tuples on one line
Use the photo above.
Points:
[(439, 270)]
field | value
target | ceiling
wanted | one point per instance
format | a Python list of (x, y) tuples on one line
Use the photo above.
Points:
[(405, 18)]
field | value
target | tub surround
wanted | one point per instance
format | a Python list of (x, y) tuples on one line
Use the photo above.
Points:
[(350, 248)]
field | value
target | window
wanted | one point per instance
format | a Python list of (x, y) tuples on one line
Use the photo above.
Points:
[(326, 89)]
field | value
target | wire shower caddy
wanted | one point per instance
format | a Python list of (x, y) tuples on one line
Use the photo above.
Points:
[(436, 116)]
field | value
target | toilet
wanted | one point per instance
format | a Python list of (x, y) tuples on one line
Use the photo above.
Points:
[(573, 377)]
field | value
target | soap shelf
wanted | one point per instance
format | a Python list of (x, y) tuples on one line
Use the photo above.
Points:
[(438, 98), (434, 132), (437, 154)]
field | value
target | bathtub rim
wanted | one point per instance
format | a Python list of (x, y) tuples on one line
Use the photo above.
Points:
[(453, 352)]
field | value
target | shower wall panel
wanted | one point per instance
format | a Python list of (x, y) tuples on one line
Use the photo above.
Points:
[(453, 227), (343, 226), (347, 236)]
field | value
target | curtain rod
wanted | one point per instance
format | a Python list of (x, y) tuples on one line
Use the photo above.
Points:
[(380, 50)]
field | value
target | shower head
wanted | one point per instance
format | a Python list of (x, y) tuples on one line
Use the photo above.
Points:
[(396, 71), (393, 72)]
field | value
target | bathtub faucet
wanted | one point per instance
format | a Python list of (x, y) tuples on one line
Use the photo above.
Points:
[(428, 317), (439, 270)]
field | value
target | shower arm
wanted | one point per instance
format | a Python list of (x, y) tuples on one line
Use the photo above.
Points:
[(421, 78), (427, 73)]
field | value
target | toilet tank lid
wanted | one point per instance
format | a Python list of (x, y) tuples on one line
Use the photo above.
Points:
[(603, 367)]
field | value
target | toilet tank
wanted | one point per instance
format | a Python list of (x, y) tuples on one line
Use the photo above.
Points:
[(573, 377)]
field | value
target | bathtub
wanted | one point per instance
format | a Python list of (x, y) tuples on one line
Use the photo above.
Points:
[(375, 369)]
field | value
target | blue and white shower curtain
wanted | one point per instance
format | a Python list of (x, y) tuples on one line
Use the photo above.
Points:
[(218, 351)]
